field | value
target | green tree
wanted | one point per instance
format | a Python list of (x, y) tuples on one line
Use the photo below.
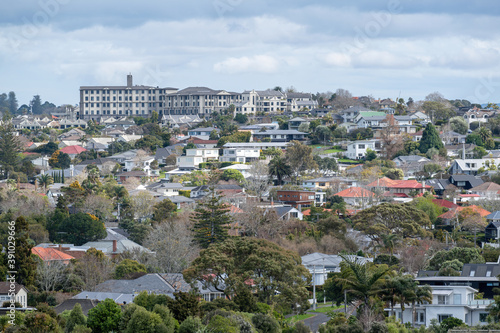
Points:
[(9, 147), (464, 254), (278, 272), (25, 265), (459, 125), (76, 317), (430, 139), (143, 321), (370, 155), (127, 267), (299, 157), (36, 105), (279, 168), (232, 174), (13, 105), (184, 305), (241, 118), (404, 220), (38, 322), (265, 324), (211, 221), (45, 180), (164, 210), (81, 228), (105, 317), (362, 279), (191, 325)]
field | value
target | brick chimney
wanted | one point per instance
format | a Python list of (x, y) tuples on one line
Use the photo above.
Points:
[(115, 247)]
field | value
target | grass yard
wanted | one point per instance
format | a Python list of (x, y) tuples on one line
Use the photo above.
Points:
[(325, 309), (346, 160), (329, 151), (299, 317)]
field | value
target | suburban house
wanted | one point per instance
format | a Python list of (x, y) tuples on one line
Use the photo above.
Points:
[(492, 230), (286, 213), (357, 196), (72, 151), (447, 301), (294, 123), (320, 264), (50, 255), (400, 161), (21, 294), (324, 183), (357, 150), (257, 145), (349, 114), (195, 156), (296, 198), (451, 217), (488, 190), (400, 188), (242, 155), (202, 132), (279, 135), (470, 166)]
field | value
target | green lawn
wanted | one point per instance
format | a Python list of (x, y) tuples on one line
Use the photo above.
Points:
[(346, 160), (328, 151), (299, 317), (325, 309)]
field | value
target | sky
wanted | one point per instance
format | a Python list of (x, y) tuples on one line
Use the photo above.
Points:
[(386, 49)]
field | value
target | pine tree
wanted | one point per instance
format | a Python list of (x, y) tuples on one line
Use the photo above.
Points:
[(9, 147), (62, 176), (211, 221), (430, 139), (24, 265)]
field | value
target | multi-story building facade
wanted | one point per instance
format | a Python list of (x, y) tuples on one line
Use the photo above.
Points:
[(199, 100), (98, 102)]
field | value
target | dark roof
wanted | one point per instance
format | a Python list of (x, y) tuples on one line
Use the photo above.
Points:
[(438, 184), (5, 287), (474, 181), (495, 224), (97, 161), (427, 273), (163, 153), (494, 215), (69, 304), (481, 269), (133, 174), (280, 211), (153, 283)]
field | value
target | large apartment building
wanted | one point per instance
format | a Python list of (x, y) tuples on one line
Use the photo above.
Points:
[(98, 102)]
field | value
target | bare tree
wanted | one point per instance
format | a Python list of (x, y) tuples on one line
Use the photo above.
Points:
[(50, 274), (99, 205), (93, 268), (259, 182), (142, 204), (260, 223), (392, 140), (172, 241)]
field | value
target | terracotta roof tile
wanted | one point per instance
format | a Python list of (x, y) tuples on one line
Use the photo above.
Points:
[(50, 254), (355, 192)]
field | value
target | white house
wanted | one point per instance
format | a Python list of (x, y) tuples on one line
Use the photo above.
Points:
[(242, 155), (447, 301), (357, 150), (20, 293), (195, 156)]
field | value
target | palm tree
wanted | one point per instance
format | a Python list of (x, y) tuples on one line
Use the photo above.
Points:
[(418, 295), (279, 168), (362, 280), (390, 241), (45, 180)]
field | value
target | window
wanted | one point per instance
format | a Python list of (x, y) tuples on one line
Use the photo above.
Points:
[(442, 317), (421, 317), (488, 273), (483, 317), (360, 146), (457, 299), (442, 299), (472, 273)]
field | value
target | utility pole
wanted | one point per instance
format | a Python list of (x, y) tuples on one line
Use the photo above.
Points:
[(345, 302), (314, 287)]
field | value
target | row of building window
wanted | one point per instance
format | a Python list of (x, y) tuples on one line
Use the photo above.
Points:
[(126, 91)]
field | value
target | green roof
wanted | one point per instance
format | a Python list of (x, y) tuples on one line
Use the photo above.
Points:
[(371, 114)]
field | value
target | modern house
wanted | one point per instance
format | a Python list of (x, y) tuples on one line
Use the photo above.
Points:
[(296, 198), (447, 301), (242, 155), (357, 150), (195, 156), (279, 135)]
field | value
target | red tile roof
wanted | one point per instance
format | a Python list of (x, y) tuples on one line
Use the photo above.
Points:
[(50, 254), (307, 212), (355, 192), (73, 150), (387, 182), (445, 203), (452, 213), (235, 210)]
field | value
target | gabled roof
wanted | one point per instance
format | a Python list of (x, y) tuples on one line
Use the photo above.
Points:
[(69, 304), (153, 283), (355, 192), (5, 288), (494, 216), (487, 187), (73, 150), (50, 254), (387, 182), (444, 203), (452, 213)]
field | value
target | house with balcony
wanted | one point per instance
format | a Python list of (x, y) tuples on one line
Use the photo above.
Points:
[(294, 123), (202, 132), (349, 114), (279, 135), (195, 156), (297, 198), (241, 155), (447, 301)]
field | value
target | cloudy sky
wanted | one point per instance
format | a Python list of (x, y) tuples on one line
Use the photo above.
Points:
[(387, 48)]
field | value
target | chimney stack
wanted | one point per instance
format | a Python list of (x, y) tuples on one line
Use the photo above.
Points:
[(129, 80), (115, 247)]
